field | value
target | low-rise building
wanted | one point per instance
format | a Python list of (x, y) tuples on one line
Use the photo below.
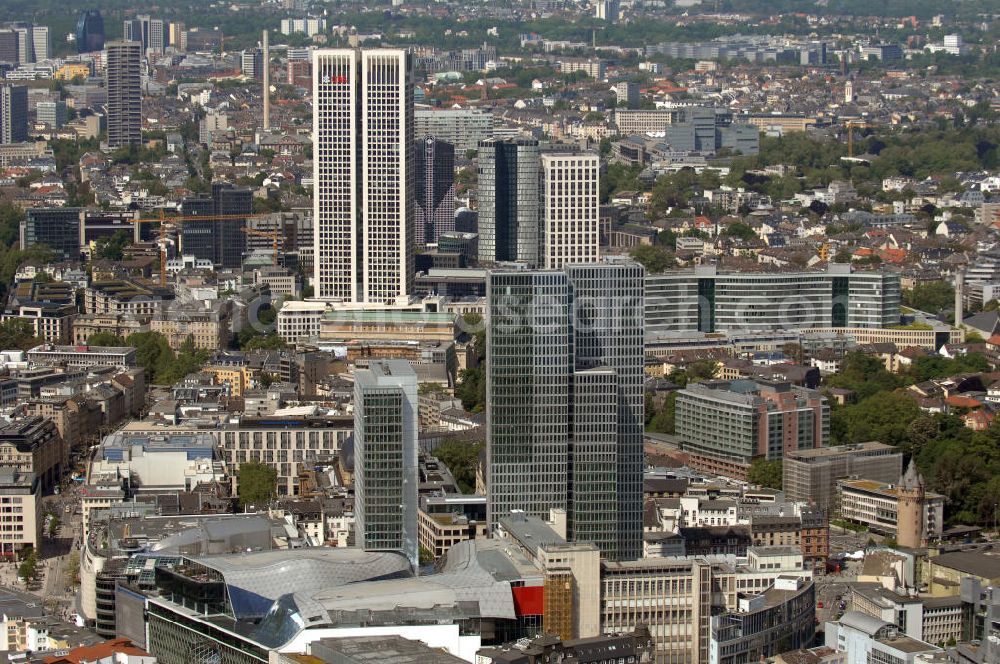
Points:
[(876, 505), (119, 325), (810, 476), (83, 356)]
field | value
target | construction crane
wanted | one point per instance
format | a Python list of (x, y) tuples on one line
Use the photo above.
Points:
[(166, 222), (851, 124), (274, 235)]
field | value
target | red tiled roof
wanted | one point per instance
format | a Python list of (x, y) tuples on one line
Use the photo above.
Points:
[(99, 651)]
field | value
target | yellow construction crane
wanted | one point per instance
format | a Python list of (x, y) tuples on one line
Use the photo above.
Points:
[(851, 124), (166, 222), (274, 235)]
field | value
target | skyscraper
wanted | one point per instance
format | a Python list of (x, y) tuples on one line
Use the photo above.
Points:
[(252, 63), (434, 167), (385, 458), (570, 203), (363, 174), (564, 402), (13, 113), (508, 200), (124, 60), (56, 228), (220, 241), (8, 47), (25, 43), (90, 31), (150, 32), (40, 39)]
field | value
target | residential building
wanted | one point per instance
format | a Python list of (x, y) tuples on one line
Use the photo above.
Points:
[(434, 205), (385, 458), (725, 425), (509, 200), (13, 114), (569, 215), (811, 475), (124, 88), (607, 10), (363, 174), (252, 63), (585, 397)]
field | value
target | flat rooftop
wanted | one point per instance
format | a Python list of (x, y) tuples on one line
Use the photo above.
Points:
[(825, 453)]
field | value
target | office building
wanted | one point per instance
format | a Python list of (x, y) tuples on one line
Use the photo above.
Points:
[(725, 425), (13, 113), (56, 228), (564, 400), (884, 507), (861, 638), (25, 43), (8, 47), (705, 299), (646, 121), (363, 205), (570, 201), (627, 94), (463, 128), (33, 445), (52, 113), (781, 618), (20, 512), (607, 10), (385, 458), (252, 63), (42, 48), (213, 121), (90, 31), (810, 476), (707, 130), (221, 241), (150, 32), (509, 200), (124, 87), (434, 204)]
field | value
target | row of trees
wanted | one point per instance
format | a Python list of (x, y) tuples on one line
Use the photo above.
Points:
[(153, 353)]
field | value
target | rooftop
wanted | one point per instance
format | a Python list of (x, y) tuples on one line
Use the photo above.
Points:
[(985, 564)]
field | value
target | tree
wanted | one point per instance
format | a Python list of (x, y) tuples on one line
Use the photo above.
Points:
[(652, 257), (28, 568), (931, 297), (257, 485), (662, 420), (462, 459), (765, 473), (740, 231), (884, 417), (17, 334), (112, 247)]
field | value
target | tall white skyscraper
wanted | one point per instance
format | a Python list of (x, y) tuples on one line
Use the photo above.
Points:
[(363, 174), (40, 41), (570, 209)]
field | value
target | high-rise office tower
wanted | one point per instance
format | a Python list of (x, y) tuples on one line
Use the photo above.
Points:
[(25, 43), (13, 113), (363, 174), (90, 31), (570, 204), (52, 113), (385, 458), (40, 40), (177, 36), (124, 85), (508, 200), (146, 30), (564, 363), (222, 240), (252, 63), (435, 191), (9, 47)]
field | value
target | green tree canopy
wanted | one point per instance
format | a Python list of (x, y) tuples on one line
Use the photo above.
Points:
[(257, 484), (765, 473)]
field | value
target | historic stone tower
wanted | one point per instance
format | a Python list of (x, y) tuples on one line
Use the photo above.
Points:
[(910, 526)]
